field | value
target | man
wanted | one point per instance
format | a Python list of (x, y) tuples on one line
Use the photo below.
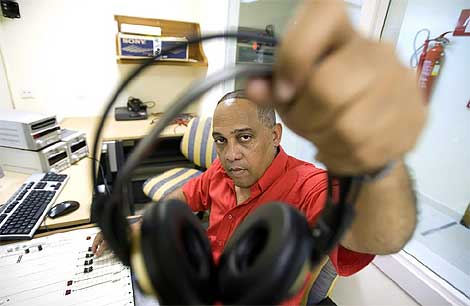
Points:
[(253, 169), (353, 100)]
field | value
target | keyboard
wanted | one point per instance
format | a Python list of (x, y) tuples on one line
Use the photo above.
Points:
[(24, 212)]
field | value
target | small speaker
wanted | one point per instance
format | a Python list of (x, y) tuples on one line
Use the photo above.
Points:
[(10, 9)]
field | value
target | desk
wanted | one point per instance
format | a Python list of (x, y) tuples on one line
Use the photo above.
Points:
[(79, 187), (119, 130), (119, 138)]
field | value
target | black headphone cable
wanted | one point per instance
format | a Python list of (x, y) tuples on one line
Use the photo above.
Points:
[(109, 212)]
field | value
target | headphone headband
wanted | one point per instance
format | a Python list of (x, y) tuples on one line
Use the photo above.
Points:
[(109, 212)]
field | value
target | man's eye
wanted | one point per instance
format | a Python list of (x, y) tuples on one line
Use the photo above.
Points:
[(245, 138), (219, 140)]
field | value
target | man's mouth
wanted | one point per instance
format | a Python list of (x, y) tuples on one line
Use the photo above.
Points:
[(237, 171)]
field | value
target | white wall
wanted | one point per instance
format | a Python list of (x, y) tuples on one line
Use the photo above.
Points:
[(441, 161), (213, 18), (64, 53)]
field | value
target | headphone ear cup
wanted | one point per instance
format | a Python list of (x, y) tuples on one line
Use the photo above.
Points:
[(177, 254), (265, 257)]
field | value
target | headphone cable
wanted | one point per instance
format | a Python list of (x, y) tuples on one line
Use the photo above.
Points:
[(110, 211)]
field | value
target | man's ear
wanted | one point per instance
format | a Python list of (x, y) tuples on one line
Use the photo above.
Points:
[(277, 134)]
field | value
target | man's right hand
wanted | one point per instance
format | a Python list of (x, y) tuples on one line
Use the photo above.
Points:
[(349, 95), (100, 245)]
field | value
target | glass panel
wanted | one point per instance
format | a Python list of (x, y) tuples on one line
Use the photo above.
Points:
[(268, 17), (440, 163), (272, 16)]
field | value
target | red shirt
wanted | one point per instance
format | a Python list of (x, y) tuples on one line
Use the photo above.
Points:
[(287, 179)]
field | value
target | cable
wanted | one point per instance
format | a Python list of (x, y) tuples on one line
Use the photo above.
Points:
[(414, 57), (150, 61), (8, 81), (110, 211), (150, 104), (414, 61), (111, 217), (105, 182), (44, 221), (337, 215), (148, 144)]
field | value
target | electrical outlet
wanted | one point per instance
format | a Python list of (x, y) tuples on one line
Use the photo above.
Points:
[(26, 94)]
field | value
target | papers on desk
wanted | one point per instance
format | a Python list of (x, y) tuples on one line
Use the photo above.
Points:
[(61, 270)]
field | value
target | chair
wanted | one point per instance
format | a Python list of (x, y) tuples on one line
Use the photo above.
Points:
[(198, 147), (322, 285)]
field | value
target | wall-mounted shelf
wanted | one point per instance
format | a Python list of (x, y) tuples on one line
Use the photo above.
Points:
[(162, 62), (169, 28)]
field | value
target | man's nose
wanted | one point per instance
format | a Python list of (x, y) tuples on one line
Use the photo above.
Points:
[(233, 152)]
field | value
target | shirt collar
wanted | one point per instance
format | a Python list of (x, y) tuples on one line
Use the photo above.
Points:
[(272, 173)]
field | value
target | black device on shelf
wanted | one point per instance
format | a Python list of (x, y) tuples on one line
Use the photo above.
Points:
[(10, 9), (135, 110)]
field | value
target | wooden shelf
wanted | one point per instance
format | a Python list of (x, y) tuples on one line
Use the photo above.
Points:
[(169, 28), (162, 62)]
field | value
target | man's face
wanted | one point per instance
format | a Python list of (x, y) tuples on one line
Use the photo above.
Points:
[(244, 145)]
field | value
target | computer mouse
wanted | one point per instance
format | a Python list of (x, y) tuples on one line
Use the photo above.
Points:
[(63, 208)]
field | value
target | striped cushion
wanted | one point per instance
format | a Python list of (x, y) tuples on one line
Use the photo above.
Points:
[(197, 144), (323, 284), (160, 186)]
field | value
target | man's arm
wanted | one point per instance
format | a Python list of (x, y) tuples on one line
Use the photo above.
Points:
[(360, 107), (176, 194), (385, 214)]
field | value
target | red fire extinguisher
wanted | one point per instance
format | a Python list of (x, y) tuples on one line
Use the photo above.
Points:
[(430, 62)]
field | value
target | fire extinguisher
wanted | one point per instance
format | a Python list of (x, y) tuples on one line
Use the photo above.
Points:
[(430, 62)]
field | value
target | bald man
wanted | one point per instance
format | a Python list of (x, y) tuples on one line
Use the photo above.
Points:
[(252, 169)]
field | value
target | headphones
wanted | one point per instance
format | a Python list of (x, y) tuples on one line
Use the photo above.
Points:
[(266, 259)]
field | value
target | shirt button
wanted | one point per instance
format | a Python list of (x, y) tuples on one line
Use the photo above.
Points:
[(230, 217)]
